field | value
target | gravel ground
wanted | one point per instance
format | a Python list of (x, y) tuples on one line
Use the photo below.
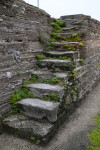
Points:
[(72, 135)]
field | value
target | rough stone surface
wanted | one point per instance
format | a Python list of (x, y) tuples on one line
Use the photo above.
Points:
[(55, 62), (18, 124), (41, 90), (20, 26), (37, 108)]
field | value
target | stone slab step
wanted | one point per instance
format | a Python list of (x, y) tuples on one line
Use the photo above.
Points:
[(54, 62), (47, 75), (61, 44), (37, 108), (77, 17), (70, 29), (66, 34), (71, 54), (41, 90), (27, 128)]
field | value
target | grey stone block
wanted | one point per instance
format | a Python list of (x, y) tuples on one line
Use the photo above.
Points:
[(55, 62), (37, 108), (26, 128), (41, 90)]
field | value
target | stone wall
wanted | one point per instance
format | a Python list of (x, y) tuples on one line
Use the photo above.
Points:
[(23, 31), (89, 72)]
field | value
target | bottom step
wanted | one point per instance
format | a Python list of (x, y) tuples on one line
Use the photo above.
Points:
[(39, 132)]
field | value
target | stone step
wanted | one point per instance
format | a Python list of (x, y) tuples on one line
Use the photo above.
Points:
[(70, 54), (70, 29), (56, 63), (77, 17), (79, 33), (63, 43), (39, 109), (75, 28), (27, 128), (47, 75), (66, 34), (41, 90)]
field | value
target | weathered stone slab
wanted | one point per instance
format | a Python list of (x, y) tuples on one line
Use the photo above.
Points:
[(27, 128), (41, 90), (71, 54), (49, 75), (37, 108), (55, 62)]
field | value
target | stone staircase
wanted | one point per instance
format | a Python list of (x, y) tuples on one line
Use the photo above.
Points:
[(39, 119)]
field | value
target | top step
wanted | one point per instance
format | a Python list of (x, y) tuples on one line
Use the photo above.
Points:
[(77, 17)]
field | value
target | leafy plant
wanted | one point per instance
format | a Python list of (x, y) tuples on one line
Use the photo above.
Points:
[(65, 58), (97, 65), (18, 95), (39, 56), (55, 26), (18, 73), (69, 47), (53, 80), (81, 60), (32, 138), (51, 97), (38, 142), (74, 38), (81, 44)]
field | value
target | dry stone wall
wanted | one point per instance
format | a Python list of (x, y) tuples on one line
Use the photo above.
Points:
[(21, 27), (90, 53)]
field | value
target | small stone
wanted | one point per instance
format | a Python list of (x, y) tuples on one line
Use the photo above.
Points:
[(9, 75)]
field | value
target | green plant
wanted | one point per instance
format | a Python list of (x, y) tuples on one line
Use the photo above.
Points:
[(74, 73), (50, 47), (74, 94), (55, 26), (18, 73), (32, 138), (74, 35), (81, 60), (22, 93), (26, 82), (51, 40), (94, 136), (65, 58), (39, 64), (39, 56), (51, 97), (81, 44), (97, 65), (33, 78), (61, 23), (53, 80), (58, 24), (69, 47), (38, 142)]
